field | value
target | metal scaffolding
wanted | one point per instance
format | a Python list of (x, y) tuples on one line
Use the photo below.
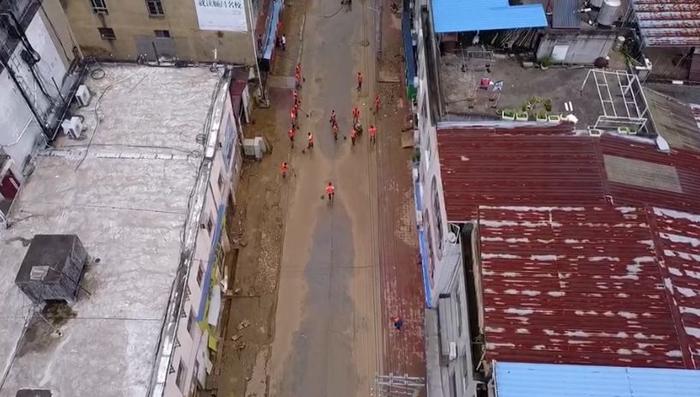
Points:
[(622, 99)]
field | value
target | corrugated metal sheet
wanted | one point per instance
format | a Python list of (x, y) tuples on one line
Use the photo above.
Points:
[(674, 120), (546, 166), (481, 167), (451, 16), (576, 268), (686, 163), (548, 380), (566, 15), (668, 23)]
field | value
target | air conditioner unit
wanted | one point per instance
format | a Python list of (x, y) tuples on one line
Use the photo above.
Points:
[(72, 127), (82, 95), (453, 350)]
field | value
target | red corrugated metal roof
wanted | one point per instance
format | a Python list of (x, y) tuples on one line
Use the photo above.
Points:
[(576, 285), (668, 23), (576, 268), (482, 168)]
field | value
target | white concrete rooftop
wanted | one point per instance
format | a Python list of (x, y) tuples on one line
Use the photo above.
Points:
[(128, 202)]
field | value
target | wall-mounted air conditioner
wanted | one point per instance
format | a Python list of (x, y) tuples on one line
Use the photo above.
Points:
[(72, 127), (453, 350), (83, 96)]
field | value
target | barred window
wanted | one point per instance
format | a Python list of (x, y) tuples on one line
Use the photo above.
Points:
[(155, 8), (99, 6)]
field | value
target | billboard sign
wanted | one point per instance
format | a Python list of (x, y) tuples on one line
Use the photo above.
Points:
[(228, 15)]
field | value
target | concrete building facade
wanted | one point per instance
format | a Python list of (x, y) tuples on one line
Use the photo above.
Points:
[(128, 29), (38, 58)]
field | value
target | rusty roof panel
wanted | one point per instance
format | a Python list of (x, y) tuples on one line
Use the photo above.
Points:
[(686, 163), (577, 285), (576, 268), (591, 285), (519, 169), (668, 23)]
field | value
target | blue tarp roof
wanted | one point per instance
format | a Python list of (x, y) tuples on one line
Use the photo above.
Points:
[(451, 16), (559, 380)]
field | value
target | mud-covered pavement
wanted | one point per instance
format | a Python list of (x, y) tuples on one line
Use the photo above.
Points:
[(328, 328), (308, 275)]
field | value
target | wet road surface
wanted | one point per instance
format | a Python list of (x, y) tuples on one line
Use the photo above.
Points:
[(328, 331)]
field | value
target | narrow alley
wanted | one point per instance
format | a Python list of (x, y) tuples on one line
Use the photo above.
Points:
[(341, 264)]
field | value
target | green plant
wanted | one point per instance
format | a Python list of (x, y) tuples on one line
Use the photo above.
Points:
[(546, 62), (547, 105), (542, 116)]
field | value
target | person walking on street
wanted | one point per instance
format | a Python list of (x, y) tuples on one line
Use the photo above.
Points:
[(353, 136), (295, 93), (284, 168), (398, 322), (291, 134), (294, 113), (372, 133), (359, 81), (330, 191), (283, 42), (377, 104), (355, 115), (310, 139), (333, 120)]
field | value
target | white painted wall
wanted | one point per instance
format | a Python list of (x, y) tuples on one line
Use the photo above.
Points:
[(20, 131)]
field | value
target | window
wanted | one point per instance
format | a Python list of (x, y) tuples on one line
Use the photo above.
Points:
[(162, 33), (155, 8), (99, 6), (190, 322), (220, 182), (200, 274), (458, 298), (180, 378), (107, 33), (437, 212), (210, 225)]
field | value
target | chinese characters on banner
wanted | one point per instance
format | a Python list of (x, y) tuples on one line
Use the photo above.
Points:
[(226, 15)]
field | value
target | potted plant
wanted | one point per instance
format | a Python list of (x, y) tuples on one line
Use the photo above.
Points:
[(554, 118), (508, 114), (542, 117), (522, 116), (547, 105), (545, 63)]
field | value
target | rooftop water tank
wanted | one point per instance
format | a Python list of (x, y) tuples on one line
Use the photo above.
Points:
[(608, 12), (52, 268)]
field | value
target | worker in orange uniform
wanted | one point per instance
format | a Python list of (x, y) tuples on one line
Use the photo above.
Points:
[(353, 136), (330, 191), (372, 133), (293, 114), (377, 104), (310, 139), (359, 81), (291, 134), (284, 168)]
